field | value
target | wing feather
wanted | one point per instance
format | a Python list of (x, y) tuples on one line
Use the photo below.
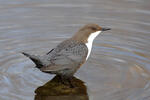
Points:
[(67, 55)]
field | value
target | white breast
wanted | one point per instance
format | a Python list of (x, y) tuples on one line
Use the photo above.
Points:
[(90, 42)]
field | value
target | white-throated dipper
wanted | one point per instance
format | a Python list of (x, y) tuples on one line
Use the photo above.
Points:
[(67, 57)]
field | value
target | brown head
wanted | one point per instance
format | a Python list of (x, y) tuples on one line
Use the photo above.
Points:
[(83, 34)]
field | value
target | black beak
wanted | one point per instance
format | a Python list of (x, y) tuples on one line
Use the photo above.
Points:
[(105, 29)]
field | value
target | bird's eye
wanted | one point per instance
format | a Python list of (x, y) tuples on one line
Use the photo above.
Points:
[(93, 28)]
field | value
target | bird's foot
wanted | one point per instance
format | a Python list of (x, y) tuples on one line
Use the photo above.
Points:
[(71, 83), (61, 80)]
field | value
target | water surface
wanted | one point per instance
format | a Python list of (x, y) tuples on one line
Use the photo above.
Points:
[(119, 65)]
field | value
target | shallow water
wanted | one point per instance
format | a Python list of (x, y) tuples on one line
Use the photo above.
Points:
[(119, 66)]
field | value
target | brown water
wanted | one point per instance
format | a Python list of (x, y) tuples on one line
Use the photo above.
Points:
[(119, 66)]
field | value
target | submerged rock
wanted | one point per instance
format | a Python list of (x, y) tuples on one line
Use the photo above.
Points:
[(55, 90)]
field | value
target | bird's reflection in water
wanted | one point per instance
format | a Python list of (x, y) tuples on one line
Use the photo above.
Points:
[(55, 90)]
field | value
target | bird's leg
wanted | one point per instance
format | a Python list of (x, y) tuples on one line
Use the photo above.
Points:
[(63, 79)]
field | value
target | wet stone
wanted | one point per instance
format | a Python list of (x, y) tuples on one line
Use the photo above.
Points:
[(55, 90)]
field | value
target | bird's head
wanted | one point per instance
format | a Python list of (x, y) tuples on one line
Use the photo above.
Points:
[(89, 31)]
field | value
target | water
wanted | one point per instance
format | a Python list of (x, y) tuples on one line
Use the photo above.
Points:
[(119, 66)]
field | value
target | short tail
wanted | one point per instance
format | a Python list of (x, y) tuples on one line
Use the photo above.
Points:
[(35, 59)]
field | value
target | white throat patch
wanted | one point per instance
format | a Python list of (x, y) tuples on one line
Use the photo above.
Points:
[(90, 41)]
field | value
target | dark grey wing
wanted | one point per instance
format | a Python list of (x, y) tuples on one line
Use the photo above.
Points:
[(76, 54), (67, 55)]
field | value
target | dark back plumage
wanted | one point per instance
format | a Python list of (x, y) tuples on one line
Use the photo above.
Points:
[(69, 54)]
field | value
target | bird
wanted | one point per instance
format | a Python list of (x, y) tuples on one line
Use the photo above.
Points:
[(68, 56)]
